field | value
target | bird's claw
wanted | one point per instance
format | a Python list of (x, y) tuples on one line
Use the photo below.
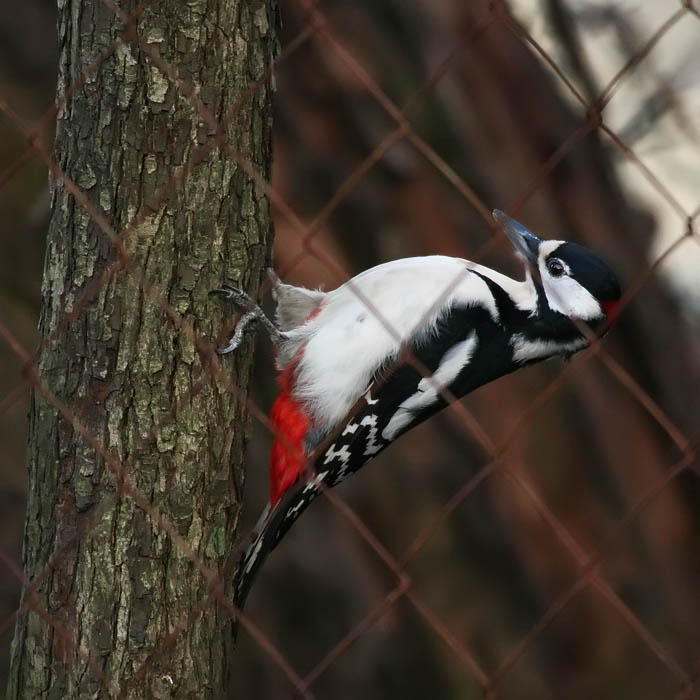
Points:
[(228, 291), (252, 313)]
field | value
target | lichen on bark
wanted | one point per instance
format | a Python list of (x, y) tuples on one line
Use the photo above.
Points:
[(113, 601)]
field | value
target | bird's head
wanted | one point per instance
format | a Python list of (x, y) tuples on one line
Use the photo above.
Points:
[(574, 280)]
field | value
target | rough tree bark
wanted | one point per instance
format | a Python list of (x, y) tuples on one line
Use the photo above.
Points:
[(108, 588)]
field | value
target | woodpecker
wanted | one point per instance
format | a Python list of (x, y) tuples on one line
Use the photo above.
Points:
[(364, 363)]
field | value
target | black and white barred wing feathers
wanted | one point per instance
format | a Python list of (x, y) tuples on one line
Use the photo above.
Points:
[(440, 365)]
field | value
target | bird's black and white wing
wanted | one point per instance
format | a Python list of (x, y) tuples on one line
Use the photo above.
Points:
[(460, 353)]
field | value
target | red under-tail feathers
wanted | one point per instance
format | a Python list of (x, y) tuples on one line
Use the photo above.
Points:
[(291, 424)]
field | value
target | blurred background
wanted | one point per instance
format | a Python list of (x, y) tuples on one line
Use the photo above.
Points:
[(499, 113)]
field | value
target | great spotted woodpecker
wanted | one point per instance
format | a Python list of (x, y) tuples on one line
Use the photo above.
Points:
[(346, 392)]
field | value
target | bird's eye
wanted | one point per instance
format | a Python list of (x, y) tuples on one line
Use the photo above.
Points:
[(556, 269)]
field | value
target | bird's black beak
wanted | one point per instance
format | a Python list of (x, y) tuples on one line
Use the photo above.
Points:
[(525, 242)]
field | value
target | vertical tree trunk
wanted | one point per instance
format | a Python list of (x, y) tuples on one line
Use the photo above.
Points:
[(112, 598)]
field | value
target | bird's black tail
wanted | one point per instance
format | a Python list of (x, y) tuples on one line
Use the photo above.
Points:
[(272, 526), (355, 442)]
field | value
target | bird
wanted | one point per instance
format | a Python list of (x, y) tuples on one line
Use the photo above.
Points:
[(362, 364)]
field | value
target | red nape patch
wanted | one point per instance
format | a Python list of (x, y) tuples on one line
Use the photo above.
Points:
[(611, 310)]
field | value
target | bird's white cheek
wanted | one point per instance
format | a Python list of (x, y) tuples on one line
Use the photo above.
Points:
[(568, 297)]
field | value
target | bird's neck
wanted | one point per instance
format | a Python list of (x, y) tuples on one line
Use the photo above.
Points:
[(534, 330)]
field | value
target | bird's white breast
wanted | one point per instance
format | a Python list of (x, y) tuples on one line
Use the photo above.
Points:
[(362, 325)]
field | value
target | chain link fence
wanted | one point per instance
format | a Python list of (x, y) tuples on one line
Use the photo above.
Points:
[(538, 539)]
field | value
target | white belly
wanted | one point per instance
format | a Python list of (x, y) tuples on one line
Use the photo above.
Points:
[(363, 324)]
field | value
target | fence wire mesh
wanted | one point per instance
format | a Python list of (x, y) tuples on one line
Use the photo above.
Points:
[(542, 539)]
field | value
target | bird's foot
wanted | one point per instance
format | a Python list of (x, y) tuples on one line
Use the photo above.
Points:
[(234, 294), (252, 313)]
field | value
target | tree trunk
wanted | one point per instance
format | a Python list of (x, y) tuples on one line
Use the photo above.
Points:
[(114, 599)]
